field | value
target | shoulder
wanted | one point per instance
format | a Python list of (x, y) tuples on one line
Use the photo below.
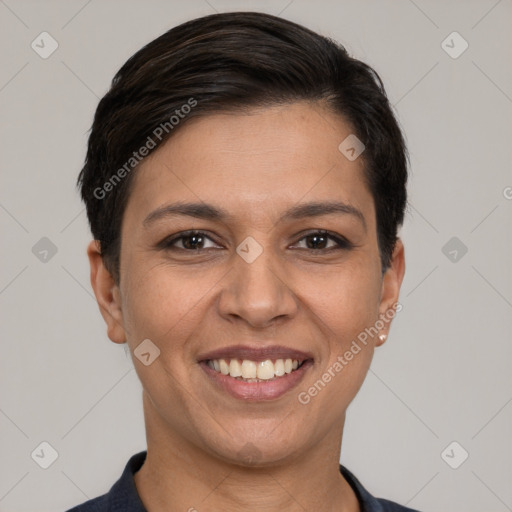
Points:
[(368, 502), (123, 495), (99, 504)]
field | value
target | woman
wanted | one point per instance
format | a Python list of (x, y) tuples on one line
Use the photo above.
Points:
[(245, 180)]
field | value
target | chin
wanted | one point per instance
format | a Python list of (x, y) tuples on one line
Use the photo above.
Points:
[(258, 451)]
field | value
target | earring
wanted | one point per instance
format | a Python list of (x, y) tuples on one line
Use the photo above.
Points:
[(382, 337)]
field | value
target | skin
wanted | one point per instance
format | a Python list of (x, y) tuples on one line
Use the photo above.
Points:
[(255, 166)]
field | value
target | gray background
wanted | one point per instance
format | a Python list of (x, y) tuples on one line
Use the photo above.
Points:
[(445, 373)]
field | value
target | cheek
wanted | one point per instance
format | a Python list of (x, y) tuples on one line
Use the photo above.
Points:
[(346, 306), (343, 312), (167, 302), (164, 303), (346, 299)]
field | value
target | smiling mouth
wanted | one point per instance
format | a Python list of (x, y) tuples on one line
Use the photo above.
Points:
[(246, 370)]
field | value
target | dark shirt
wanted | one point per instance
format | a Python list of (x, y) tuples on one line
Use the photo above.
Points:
[(123, 496)]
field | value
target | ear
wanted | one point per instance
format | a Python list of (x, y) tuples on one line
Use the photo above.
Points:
[(390, 291), (107, 294)]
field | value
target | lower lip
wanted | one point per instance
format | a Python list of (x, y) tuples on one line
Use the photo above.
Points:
[(257, 391)]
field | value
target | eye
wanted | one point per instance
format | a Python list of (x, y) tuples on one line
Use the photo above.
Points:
[(319, 241), (188, 241), (195, 241)]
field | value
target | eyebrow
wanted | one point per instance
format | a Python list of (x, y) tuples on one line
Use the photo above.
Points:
[(210, 212)]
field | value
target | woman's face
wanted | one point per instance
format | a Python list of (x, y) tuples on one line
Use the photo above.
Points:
[(257, 283)]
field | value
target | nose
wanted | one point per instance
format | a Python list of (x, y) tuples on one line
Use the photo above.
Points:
[(258, 293)]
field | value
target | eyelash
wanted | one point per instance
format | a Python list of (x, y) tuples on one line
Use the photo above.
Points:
[(342, 243)]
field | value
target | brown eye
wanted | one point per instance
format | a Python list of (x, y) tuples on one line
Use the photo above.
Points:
[(188, 241), (192, 241), (317, 241), (324, 241)]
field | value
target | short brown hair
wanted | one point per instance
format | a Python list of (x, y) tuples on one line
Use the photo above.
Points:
[(236, 61)]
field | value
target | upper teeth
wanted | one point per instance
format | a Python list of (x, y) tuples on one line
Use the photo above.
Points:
[(247, 369)]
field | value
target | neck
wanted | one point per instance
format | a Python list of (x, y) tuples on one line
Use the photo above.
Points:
[(178, 475)]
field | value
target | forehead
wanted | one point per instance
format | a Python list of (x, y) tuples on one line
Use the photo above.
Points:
[(254, 163)]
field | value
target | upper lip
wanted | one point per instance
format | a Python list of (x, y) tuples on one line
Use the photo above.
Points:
[(256, 354)]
